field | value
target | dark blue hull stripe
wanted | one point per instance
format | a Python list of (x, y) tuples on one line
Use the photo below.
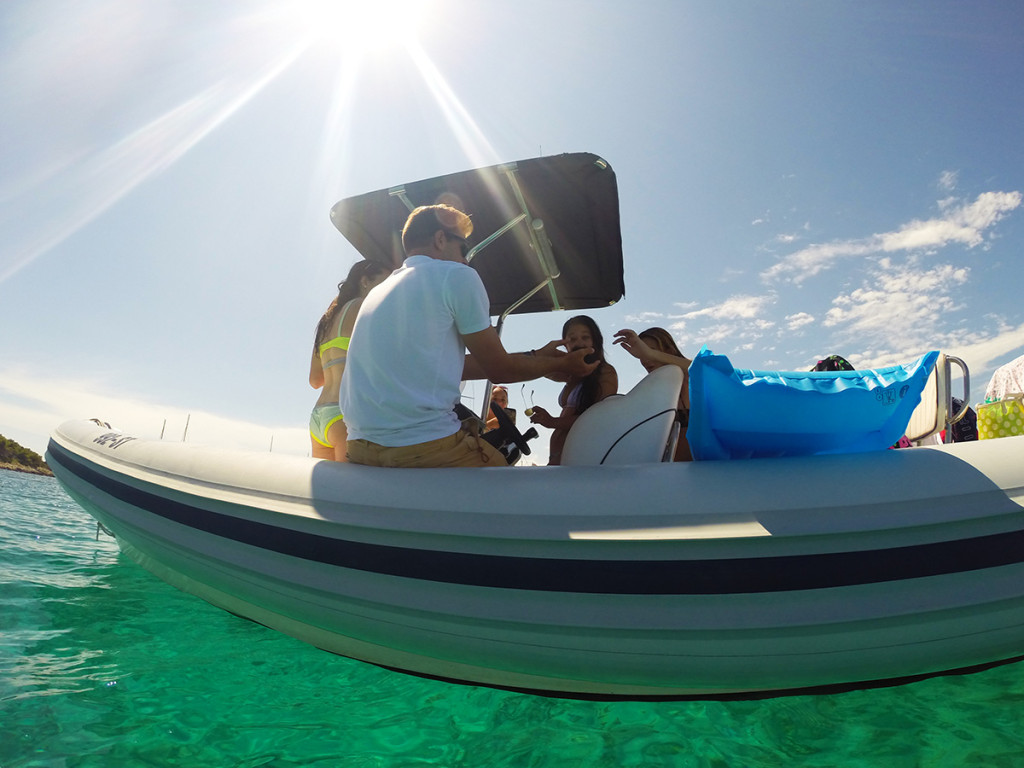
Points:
[(624, 577)]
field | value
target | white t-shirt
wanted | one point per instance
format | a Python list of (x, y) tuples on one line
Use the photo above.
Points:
[(406, 355)]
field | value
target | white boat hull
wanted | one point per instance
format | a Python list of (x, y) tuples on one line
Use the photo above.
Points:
[(710, 579)]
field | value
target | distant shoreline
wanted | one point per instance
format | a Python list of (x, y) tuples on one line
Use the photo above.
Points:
[(18, 458), (45, 471)]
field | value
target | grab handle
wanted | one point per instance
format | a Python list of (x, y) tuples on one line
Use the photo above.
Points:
[(951, 420)]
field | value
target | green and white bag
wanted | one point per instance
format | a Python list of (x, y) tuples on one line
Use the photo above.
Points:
[(1002, 418)]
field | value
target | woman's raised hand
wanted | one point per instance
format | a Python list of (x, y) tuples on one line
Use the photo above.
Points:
[(632, 343)]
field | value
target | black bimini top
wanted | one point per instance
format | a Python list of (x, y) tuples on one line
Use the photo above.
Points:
[(545, 231)]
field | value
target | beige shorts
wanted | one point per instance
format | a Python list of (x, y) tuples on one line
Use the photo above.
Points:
[(459, 450)]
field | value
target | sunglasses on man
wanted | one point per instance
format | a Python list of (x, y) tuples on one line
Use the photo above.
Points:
[(463, 244)]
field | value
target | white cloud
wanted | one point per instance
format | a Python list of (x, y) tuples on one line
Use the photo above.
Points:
[(984, 353), (817, 258), (964, 224), (744, 307), (645, 318), (900, 302), (31, 406), (947, 180), (799, 320), (741, 320), (718, 332), (902, 312), (729, 274), (686, 306)]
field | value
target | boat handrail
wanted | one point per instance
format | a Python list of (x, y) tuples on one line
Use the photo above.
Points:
[(950, 421), (936, 411)]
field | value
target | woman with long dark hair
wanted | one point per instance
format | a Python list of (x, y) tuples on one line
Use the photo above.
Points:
[(330, 347), (579, 332), (654, 348)]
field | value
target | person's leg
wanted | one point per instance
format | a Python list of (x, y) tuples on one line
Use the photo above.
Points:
[(321, 451), (337, 435), (458, 450)]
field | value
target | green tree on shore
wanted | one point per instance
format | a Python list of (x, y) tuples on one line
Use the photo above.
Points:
[(13, 453)]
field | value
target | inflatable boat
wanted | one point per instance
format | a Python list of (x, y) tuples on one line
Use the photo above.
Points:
[(821, 564)]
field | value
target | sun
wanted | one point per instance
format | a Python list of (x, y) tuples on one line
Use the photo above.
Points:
[(363, 26)]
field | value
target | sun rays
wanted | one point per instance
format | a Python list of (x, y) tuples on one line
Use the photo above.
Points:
[(383, 36), (465, 129), (67, 187), (361, 28), (84, 189)]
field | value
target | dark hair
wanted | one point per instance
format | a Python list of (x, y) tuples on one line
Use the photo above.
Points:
[(662, 339), (424, 221), (833, 363), (348, 289), (590, 386)]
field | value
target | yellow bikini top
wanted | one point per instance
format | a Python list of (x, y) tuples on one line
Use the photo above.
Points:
[(338, 342)]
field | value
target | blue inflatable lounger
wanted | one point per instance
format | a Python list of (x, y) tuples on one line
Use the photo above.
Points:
[(737, 413)]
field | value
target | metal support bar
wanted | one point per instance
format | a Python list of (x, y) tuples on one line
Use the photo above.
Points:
[(525, 298), (546, 256), (951, 420), (399, 192), (490, 239), (538, 238), (499, 326)]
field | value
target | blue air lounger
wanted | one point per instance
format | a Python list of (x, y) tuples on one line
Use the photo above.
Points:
[(737, 413)]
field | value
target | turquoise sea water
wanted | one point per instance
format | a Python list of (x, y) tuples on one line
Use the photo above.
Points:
[(101, 664)]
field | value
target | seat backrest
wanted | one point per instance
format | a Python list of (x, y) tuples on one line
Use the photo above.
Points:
[(930, 416), (635, 428), (938, 409)]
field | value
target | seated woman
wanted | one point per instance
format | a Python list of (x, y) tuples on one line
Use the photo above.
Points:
[(330, 348), (833, 363), (654, 348), (577, 395), (499, 395)]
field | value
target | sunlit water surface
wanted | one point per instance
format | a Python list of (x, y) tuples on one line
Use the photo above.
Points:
[(101, 664)]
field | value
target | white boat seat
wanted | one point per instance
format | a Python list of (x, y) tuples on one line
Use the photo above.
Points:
[(635, 428), (935, 411)]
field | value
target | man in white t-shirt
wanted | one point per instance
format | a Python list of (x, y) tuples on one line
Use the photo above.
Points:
[(407, 355)]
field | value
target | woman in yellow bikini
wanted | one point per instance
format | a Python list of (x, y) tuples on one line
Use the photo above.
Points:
[(326, 424)]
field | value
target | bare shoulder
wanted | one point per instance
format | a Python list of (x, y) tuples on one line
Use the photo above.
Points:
[(351, 311)]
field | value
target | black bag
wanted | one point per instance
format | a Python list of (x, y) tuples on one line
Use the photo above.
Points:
[(966, 429)]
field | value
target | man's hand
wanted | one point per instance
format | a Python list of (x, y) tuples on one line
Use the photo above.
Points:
[(488, 359), (551, 349), (576, 365)]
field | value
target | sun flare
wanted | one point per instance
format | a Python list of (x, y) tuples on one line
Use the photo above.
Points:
[(363, 26)]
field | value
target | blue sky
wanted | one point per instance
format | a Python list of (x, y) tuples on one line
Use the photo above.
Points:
[(796, 179)]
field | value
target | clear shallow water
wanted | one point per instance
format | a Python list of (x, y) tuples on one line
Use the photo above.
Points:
[(102, 664)]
